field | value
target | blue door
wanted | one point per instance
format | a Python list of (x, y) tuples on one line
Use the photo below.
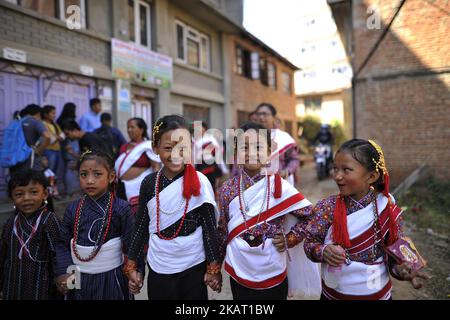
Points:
[(63, 92), (15, 93)]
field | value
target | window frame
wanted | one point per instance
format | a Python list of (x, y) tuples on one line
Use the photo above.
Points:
[(198, 38), (311, 105), (60, 12), (239, 60), (137, 22), (270, 84), (286, 79)]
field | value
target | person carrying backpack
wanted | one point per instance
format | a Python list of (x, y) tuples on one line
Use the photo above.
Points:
[(112, 136), (24, 141)]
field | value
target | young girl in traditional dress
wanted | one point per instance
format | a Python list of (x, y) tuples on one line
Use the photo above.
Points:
[(177, 217), (253, 235), (95, 231), (350, 231), (28, 241)]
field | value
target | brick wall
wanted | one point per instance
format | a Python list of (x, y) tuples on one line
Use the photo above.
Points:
[(402, 96), (27, 30), (247, 94)]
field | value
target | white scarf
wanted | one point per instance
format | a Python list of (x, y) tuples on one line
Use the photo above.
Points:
[(108, 258), (183, 252)]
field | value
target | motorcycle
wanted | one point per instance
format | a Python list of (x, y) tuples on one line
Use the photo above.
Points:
[(322, 156)]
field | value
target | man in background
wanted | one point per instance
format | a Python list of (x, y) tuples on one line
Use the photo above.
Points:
[(90, 121)]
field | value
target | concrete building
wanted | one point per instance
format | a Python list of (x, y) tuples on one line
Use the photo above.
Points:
[(42, 61), (401, 85), (322, 86), (145, 58)]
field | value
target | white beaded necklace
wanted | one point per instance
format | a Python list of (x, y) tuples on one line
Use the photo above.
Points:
[(178, 208), (244, 205)]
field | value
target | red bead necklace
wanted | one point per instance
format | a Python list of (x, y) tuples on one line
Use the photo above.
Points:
[(177, 232), (76, 226)]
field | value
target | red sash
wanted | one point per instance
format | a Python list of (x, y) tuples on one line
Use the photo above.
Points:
[(279, 153), (266, 284), (266, 215), (334, 295), (366, 239)]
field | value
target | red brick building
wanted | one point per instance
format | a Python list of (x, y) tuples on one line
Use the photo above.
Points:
[(259, 74), (401, 88)]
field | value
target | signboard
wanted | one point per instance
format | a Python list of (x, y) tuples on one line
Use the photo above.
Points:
[(140, 65), (124, 95), (87, 70), (15, 55)]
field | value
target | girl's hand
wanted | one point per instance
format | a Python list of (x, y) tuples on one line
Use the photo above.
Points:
[(334, 255), (61, 283), (135, 282), (404, 271), (214, 281), (279, 242)]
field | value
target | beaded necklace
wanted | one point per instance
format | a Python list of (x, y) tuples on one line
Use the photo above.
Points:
[(100, 240), (158, 209), (242, 201)]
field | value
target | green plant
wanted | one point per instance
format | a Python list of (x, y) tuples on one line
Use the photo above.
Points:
[(428, 205), (338, 134), (311, 126)]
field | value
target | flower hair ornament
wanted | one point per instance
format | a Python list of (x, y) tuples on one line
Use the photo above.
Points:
[(380, 167), (84, 154), (156, 128)]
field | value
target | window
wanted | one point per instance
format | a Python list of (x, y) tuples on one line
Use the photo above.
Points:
[(243, 62), (193, 57), (286, 78), (313, 104), (264, 76), (248, 63), (180, 42), (193, 47), (54, 8), (139, 23), (44, 7), (239, 61), (272, 75), (195, 113)]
